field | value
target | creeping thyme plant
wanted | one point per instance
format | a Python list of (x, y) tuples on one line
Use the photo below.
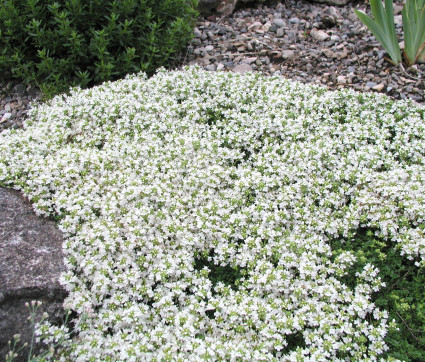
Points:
[(201, 214)]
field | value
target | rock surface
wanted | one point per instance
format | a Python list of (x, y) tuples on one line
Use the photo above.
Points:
[(31, 261), (222, 7)]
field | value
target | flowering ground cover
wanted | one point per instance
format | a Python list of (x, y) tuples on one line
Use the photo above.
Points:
[(222, 216)]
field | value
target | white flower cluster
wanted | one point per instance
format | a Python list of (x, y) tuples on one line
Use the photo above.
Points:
[(156, 182)]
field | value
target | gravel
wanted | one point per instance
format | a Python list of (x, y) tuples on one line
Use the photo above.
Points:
[(307, 42)]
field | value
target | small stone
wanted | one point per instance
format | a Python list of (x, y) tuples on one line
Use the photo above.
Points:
[(211, 67), (19, 89), (288, 54), (371, 84), (229, 65), (255, 26), (280, 23), (379, 87), (249, 60), (343, 54), (6, 116), (398, 8), (196, 42), (197, 33), (341, 79), (220, 66), (266, 27), (209, 48), (398, 20), (319, 35), (335, 38), (265, 60), (294, 21), (273, 28), (242, 68), (413, 69), (329, 53), (328, 21), (280, 32), (222, 31), (335, 13)]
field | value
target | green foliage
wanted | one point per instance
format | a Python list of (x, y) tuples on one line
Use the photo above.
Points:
[(229, 276), (403, 297), (63, 44), (383, 27), (413, 15)]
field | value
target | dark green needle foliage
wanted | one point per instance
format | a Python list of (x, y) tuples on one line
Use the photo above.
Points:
[(58, 45)]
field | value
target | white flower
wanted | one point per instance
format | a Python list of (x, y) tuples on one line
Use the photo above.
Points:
[(198, 209)]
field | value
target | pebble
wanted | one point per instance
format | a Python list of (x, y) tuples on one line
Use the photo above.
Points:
[(209, 48), (280, 32), (319, 35), (6, 116), (280, 23), (242, 68), (341, 79), (329, 53), (379, 87), (371, 84), (288, 54), (19, 89), (255, 26), (211, 67)]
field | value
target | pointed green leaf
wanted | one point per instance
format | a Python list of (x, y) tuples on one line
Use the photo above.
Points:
[(384, 38), (414, 30)]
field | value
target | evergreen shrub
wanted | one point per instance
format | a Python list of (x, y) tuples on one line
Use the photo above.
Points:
[(76, 42)]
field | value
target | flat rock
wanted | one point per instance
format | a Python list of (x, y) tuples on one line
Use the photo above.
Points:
[(31, 261), (242, 68)]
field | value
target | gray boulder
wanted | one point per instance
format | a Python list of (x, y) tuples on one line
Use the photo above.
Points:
[(31, 261)]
